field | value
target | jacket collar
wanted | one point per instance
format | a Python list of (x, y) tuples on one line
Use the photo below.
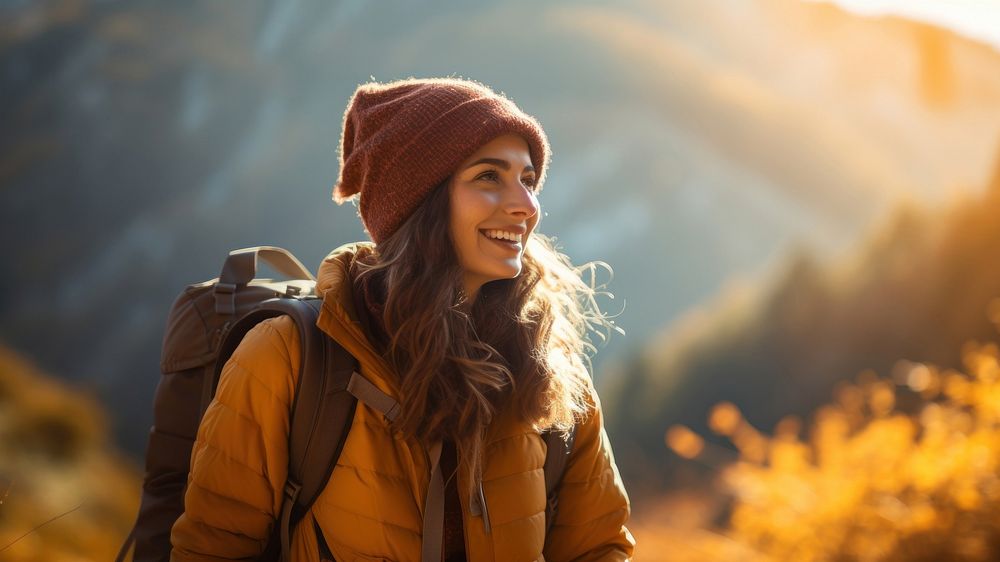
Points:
[(340, 319)]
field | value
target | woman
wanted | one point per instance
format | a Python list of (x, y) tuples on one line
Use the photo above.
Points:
[(472, 322)]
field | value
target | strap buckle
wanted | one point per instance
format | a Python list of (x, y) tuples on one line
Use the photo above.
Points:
[(292, 489), (224, 305)]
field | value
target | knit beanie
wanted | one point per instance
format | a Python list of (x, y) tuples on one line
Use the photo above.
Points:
[(402, 139)]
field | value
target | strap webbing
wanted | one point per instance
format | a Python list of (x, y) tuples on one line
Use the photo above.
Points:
[(365, 391), (433, 533), (321, 416), (291, 494), (433, 530)]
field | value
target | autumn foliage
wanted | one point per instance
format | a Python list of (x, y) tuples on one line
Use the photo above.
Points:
[(66, 493), (898, 468)]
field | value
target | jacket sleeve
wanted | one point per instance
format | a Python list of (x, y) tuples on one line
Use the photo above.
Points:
[(239, 459), (593, 503)]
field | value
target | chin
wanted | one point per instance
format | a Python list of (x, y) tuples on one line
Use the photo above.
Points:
[(501, 275), (512, 270)]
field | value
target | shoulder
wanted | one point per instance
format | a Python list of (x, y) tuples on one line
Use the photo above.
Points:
[(269, 349), (279, 333), (273, 338), (590, 401)]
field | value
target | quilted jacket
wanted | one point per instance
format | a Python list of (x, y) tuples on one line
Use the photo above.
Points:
[(372, 509)]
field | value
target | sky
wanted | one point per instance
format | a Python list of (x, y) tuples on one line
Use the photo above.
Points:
[(978, 19)]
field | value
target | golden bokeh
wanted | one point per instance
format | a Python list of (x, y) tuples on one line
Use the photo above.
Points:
[(871, 482), (684, 442)]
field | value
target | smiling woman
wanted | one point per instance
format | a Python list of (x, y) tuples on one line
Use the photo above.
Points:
[(494, 209), (472, 331)]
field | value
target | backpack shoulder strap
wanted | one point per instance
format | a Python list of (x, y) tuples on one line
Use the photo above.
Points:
[(557, 451), (321, 417)]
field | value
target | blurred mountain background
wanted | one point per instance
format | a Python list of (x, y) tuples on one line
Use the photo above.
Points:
[(787, 192), (916, 292)]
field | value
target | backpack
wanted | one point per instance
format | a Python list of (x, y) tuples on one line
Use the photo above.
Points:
[(206, 323)]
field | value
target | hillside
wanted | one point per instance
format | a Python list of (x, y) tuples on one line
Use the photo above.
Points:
[(915, 292)]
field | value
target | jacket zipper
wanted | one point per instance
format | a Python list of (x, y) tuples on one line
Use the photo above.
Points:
[(478, 506)]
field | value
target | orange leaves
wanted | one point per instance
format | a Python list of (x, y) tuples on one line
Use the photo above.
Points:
[(881, 398), (725, 418), (684, 442), (872, 482)]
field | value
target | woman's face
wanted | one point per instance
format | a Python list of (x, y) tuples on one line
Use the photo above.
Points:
[(493, 195)]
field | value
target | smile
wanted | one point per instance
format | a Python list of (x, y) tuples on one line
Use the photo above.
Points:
[(506, 244)]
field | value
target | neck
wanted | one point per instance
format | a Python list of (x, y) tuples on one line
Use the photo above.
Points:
[(467, 296), (471, 286)]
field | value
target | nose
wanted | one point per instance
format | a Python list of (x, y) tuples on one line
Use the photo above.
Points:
[(520, 201)]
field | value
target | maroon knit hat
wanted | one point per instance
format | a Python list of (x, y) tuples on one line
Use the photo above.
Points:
[(402, 139)]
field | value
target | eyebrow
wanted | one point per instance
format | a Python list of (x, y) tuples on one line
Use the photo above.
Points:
[(498, 162)]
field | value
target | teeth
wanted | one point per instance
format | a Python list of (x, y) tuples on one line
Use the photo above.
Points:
[(503, 235)]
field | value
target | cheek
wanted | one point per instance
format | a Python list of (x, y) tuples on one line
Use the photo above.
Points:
[(468, 210)]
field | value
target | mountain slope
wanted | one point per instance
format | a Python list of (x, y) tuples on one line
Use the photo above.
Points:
[(917, 291)]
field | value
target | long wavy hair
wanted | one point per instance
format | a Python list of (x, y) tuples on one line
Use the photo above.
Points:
[(525, 339)]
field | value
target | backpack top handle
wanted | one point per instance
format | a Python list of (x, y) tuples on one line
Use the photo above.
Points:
[(240, 269), (241, 266)]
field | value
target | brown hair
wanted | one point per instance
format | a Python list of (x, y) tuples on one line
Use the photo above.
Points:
[(525, 339)]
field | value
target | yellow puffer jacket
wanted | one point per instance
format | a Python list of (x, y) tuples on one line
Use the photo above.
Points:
[(372, 507)]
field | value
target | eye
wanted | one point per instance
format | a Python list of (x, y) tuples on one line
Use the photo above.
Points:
[(491, 173)]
